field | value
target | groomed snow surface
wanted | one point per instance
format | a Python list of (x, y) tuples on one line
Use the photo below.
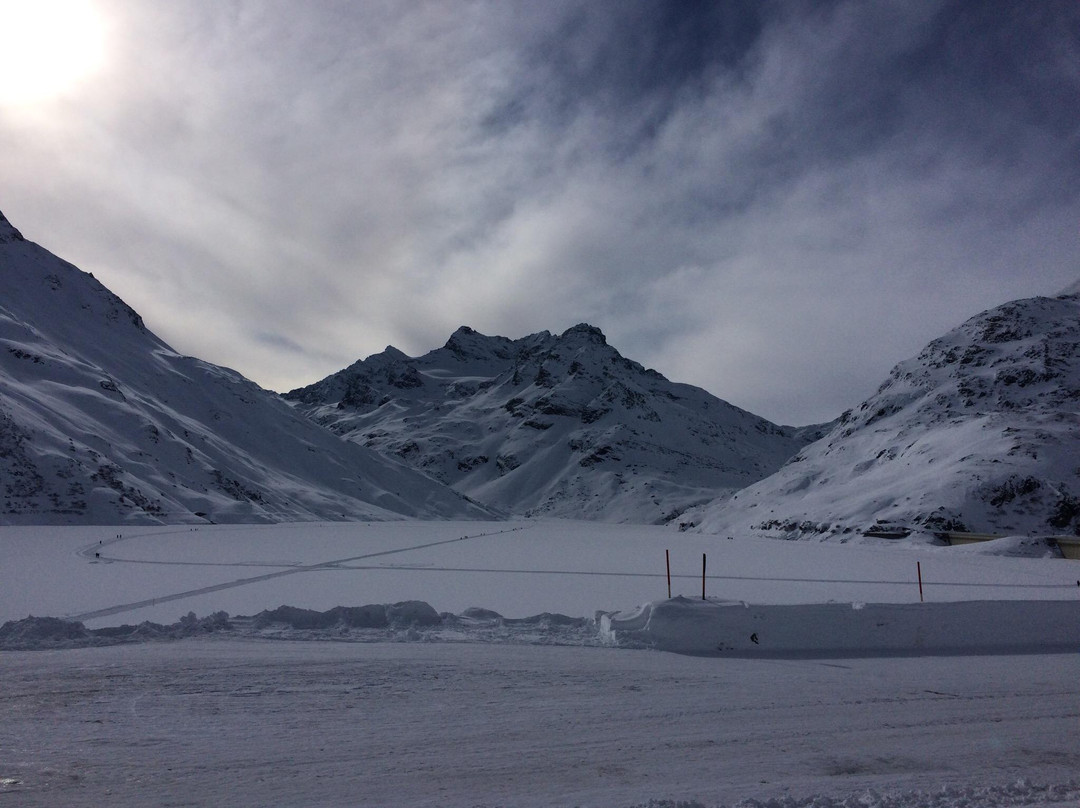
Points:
[(812, 676)]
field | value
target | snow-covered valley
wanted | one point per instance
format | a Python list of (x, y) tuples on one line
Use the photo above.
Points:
[(484, 658), (101, 422)]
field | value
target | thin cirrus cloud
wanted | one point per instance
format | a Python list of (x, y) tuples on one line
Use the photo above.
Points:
[(774, 201)]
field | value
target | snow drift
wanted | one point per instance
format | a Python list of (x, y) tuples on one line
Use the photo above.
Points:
[(405, 621), (679, 625), (734, 628)]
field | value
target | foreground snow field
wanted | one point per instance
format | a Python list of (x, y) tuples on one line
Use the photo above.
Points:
[(208, 722), (477, 716)]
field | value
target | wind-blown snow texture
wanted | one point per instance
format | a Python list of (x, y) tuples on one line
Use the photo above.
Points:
[(551, 425), (103, 423), (979, 432)]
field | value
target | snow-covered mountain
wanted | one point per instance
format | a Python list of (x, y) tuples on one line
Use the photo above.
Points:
[(551, 425), (101, 422), (980, 432)]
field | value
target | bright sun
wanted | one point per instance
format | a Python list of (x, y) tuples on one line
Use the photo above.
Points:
[(46, 48)]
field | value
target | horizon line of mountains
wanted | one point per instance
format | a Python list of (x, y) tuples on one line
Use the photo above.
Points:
[(103, 423)]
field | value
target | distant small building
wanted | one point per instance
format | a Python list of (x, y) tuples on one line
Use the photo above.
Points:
[(955, 538), (880, 531), (1069, 546)]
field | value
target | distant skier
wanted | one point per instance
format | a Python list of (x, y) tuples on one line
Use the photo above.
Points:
[(753, 638)]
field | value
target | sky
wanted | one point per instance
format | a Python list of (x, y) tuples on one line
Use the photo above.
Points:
[(776, 201)]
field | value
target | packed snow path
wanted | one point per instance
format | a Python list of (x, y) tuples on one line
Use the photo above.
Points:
[(317, 723)]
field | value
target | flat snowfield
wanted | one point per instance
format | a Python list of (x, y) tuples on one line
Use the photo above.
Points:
[(515, 568), (523, 716), (246, 723)]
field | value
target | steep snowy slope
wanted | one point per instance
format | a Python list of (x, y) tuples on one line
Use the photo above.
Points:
[(554, 425), (101, 422), (980, 432)]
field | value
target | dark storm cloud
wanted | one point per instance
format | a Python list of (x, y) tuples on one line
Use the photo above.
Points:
[(774, 200), (628, 65), (835, 166)]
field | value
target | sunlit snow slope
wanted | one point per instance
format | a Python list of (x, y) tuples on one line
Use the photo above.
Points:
[(979, 432), (551, 425), (101, 422)]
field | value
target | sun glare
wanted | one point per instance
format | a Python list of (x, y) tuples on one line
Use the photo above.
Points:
[(47, 47)]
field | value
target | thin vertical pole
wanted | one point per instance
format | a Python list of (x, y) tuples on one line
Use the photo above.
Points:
[(918, 568), (667, 558), (703, 576)]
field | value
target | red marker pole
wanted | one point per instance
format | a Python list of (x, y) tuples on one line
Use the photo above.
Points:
[(703, 576), (918, 568), (667, 558)]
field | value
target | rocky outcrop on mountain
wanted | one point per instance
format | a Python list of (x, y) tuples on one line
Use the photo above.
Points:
[(556, 425), (103, 423), (8, 233), (980, 432)]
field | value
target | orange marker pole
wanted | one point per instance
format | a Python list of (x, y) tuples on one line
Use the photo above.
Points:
[(918, 568), (703, 576)]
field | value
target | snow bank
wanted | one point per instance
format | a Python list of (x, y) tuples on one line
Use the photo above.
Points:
[(1021, 793), (417, 621), (35, 633), (680, 625), (722, 627), (406, 621)]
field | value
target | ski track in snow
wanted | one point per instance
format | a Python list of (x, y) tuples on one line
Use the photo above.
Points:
[(94, 551)]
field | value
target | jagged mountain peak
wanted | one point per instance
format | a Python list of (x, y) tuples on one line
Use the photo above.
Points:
[(559, 425), (102, 423), (980, 432), (584, 331), (41, 285), (467, 343), (8, 233), (1005, 359)]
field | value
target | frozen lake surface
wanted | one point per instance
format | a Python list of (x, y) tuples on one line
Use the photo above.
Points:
[(515, 568)]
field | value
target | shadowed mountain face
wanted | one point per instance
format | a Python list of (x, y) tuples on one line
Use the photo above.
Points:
[(102, 423), (979, 432), (550, 425)]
